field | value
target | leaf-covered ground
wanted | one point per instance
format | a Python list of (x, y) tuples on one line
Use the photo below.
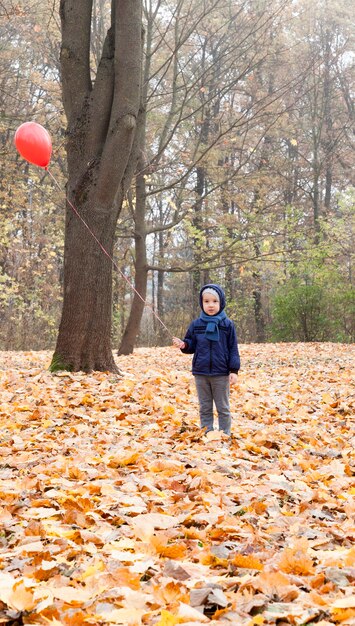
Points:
[(115, 509)]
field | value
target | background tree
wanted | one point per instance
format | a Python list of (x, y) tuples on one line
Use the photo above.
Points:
[(31, 221), (214, 50), (251, 99)]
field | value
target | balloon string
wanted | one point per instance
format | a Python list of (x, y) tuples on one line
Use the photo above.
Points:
[(109, 256)]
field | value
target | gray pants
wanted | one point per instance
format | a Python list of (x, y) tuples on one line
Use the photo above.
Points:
[(209, 389)]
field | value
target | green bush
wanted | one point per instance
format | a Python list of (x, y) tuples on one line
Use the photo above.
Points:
[(299, 313), (313, 312), (343, 319)]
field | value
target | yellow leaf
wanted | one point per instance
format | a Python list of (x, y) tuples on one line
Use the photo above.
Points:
[(256, 621), (294, 386), (59, 531), (168, 409), (327, 398), (92, 570), (251, 447), (168, 619), (87, 400)]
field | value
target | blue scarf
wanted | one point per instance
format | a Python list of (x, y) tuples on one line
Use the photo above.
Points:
[(212, 330)]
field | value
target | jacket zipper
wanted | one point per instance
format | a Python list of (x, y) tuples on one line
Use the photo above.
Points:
[(210, 357)]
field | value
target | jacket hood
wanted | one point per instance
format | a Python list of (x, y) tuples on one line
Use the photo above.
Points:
[(218, 288)]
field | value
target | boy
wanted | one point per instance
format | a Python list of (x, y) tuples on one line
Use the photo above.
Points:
[(213, 341)]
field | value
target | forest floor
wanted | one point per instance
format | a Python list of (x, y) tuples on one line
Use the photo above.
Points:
[(116, 509)]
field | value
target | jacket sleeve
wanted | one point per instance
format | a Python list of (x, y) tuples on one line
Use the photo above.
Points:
[(190, 340), (234, 358)]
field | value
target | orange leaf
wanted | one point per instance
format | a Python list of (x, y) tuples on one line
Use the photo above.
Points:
[(172, 592), (350, 557), (276, 583), (248, 562), (170, 551), (296, 560), (123, 577), (124, 459), (212, 560), (343, 615), (21, 598)]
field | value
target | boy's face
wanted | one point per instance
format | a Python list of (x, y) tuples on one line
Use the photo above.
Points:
[(210, 304)]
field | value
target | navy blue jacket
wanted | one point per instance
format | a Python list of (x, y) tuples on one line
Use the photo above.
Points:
[(213, 358)]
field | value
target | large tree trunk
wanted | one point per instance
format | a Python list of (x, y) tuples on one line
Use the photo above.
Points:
[(102, 152), (84, 334)]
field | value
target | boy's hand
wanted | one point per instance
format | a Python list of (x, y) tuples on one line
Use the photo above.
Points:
[(233, 378), (178, 343)]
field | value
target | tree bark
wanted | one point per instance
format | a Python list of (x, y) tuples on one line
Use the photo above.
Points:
[(160, 289), (102, 155), (83, 340), (328, 143), (130, 334), (140, 269), (196, 246), (258, 309)]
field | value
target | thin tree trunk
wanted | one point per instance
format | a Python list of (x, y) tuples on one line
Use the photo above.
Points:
[(328, 126), (141, 271), (258, 311), (131, 332), (160, 289), (316, 203), (198, 225)]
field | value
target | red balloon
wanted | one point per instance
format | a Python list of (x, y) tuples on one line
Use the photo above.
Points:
[(34, 143)]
